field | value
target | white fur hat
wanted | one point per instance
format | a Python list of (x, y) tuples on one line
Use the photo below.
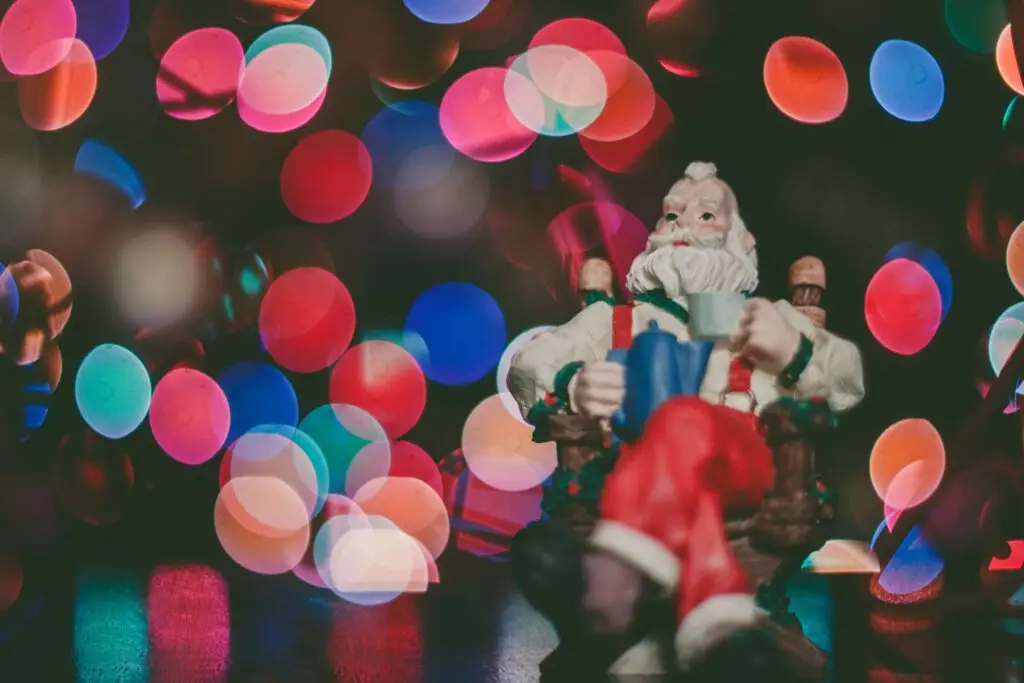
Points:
[(701, 170)]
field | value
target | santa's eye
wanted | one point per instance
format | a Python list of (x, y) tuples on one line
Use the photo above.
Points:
[(707, 216), (671, 216)]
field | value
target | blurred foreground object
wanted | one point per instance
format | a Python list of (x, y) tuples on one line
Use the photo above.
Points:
[(40, 316)]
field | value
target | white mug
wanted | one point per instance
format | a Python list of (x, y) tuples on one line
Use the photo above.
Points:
[(714, 315)]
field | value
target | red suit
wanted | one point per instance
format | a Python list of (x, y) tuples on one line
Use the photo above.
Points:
[(662, 510)]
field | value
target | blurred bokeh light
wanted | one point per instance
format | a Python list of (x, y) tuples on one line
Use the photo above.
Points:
[(94, 478), (190, 416), (326, 177), (806, 80), (307, 319), (384, 380), (903, 306), (907, 81), (464, 330), (907, 463), (414, 507), (113, 391), (1006, 61), (37, 35), (199, 74), (262, 524), (104, 162), (399, 131), (446, 11), (343, 432), (931, 261), (284, 453), (258, 394), (102, 24), (477, 121), (156, 278), (58, 97), (499, 449), (975, 24)]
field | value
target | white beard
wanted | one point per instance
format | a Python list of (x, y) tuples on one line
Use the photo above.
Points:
[(708, 265)]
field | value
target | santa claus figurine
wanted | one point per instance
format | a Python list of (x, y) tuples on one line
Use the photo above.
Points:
[(661, 528)]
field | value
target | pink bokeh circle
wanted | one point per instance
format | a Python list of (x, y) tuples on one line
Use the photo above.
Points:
[(476, 119), (283, 79), (199, 74), (36, 35), (189, 416), (903, 306)]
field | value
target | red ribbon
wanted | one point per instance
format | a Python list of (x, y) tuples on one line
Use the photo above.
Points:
[(740, 373)]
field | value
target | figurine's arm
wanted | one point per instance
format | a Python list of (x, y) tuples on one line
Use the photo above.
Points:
[(585, 338), (826, 365)]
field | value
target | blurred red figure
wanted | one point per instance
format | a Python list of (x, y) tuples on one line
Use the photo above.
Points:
[(39, 318), (663, 506)]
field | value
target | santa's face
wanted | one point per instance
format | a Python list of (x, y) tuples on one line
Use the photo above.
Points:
[(697, 214)]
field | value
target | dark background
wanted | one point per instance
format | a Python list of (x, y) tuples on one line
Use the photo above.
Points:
[(846, 191)]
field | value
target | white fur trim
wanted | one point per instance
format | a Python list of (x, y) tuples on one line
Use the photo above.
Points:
[(638, 549), (712, 621), (701, 170), (643, 659)]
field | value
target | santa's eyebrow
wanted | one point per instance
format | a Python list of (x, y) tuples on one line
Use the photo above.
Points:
[(671, 201), (715, 204)]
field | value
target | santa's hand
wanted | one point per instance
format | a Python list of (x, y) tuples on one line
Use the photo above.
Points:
[(765, 337), (598, 389)]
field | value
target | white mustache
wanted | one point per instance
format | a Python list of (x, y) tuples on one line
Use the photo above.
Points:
[(704, 238)]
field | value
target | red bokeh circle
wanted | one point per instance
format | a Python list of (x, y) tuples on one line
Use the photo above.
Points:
[(805, 80), (326, 177), (189, 416), (409, 460), (590, 38), (307, 319), (630, 105), (903, 306), (631, 153), (384, 380)]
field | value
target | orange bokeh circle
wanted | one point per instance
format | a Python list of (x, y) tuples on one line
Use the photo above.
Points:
[(907, 463), (1015, 258), (250, 507), (500, 450), (57, 98), (1006, 61), (805, 80), (412, 505)]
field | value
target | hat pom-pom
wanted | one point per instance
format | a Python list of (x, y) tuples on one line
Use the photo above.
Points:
[(701, 170)]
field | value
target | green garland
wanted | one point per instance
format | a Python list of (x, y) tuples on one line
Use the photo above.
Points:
[(593, 296), (658, 297), (810, 415), (584, 486)]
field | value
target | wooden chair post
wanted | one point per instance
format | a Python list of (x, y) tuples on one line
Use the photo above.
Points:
[(790, 513), (807, 288)]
